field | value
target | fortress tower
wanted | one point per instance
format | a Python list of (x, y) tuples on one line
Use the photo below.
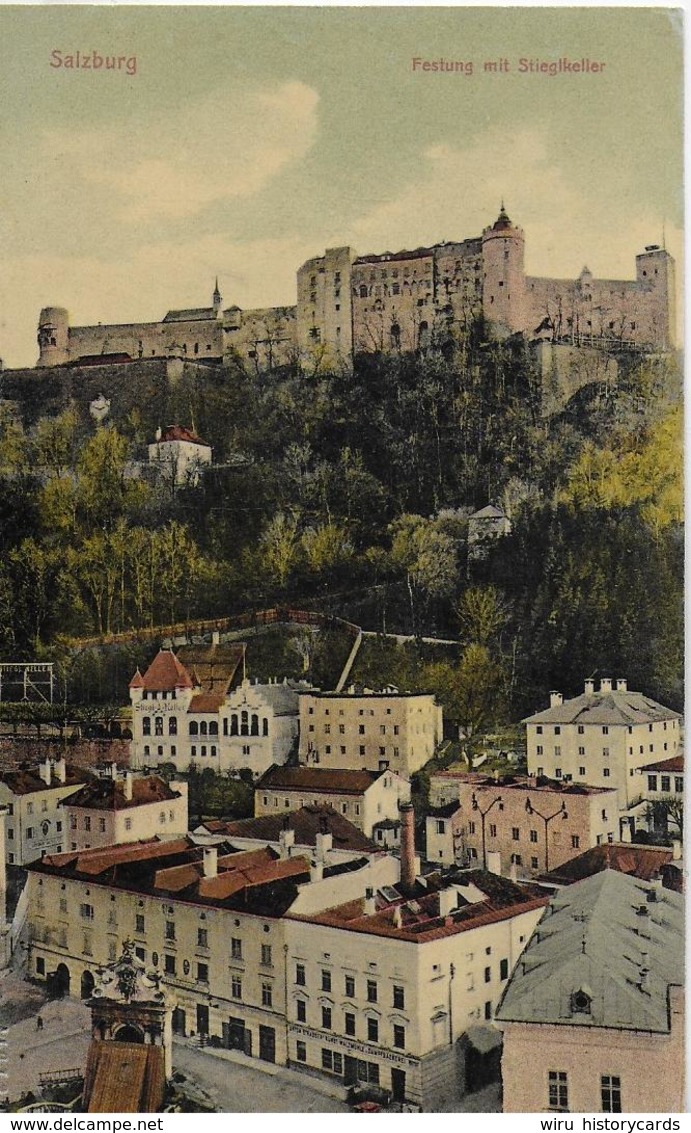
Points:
[(656, 276), (503, 285), (53, 336)]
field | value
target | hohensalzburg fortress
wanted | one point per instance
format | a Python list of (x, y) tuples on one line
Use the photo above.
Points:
[(397, 301)]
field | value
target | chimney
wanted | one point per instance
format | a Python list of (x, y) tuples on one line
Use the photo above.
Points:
[(210, 861), (370, 902), (127, 786), (286, 839), (113, 770), (324, 843), (622, 685), (61, 769), (448, 901), (655, 891), (494, 862), (589, 687), (555, 700), (408, 870), (215, 637), (316, 871), (676, 850), (397, 917), (45, 771), (606, 684)]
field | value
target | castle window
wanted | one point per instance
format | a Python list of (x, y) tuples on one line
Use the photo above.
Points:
[(194, 728), (196, 348), (363, 292)]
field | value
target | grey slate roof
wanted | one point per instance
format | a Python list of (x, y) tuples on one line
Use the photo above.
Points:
[(597, 936), (605, 708), (489, 512)]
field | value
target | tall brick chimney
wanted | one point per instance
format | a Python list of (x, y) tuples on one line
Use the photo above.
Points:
[(407, 845)]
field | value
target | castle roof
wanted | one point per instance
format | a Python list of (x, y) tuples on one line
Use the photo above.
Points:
[(191, 315), (163, 674)]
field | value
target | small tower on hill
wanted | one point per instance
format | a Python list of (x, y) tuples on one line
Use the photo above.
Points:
[(503, 287)]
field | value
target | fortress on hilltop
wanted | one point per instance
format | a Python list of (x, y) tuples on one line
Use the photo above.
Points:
[(417, 300)]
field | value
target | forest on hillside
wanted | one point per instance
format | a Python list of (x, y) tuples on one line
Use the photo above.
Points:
[(350, 493)]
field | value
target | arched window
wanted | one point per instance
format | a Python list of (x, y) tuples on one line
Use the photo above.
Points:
[(244, 724), (158, 723), (234, 724), (213, 749), (225, 725), (254, 730), (194, 728), (172, 726), (581, 1001), (146, 726), (265, 726), (213, 727), (202, 728)]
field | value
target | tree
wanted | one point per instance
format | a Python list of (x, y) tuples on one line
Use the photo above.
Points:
[(483, 614), (279, 545), (54, 441), (659, 812)]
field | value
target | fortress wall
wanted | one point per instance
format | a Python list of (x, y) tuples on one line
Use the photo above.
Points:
[(148, 339)]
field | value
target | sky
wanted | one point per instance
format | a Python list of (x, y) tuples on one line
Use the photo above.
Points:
[(250, 139)]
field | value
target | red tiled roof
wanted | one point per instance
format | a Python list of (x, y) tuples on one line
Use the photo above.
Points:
[(101, 859), (180, 433), (644, 862), (165, 673), (675, 763), (306, 823), (336, 780), (206, 702), (24, 782), (109, 794), (137, 680)]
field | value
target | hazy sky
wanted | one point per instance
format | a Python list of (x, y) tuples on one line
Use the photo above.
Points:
[(252, 138)]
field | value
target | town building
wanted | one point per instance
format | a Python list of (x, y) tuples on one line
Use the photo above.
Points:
[(368, 730), (213, 921), (185, 710), (416, 300), (521, 823), (593, 1016), (179, 455), (111, 809), (35, 822), (663, 796), (299, 832), (602, 738), (363, 797)]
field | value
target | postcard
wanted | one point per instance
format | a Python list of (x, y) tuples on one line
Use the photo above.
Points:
[(341, 585)]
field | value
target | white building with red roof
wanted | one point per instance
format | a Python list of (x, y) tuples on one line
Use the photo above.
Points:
[(191, 713), (180, 454), (112, 810)]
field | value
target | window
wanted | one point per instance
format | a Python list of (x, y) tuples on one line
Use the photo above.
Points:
[(235, 948), (172, 726), (533, 835), (371, 991), (326, 1018), (441, 826), (301, 1009), (87, 822), (146, 726), (373, 1030), (326, 980), (399, 997), (202, 938), (128, 824), (538, 749), (581, 772), (557, 731), (266, 954), (169, 965), (488, 975), (539, 729), (300, 974), (236, 987), (575, 841), (605, 752), (170, 930), (332, 1060), (515, 833), (605, 730), (610, 1089), (503, 969), (202, 973), (605, 772), (581, 751), (267, 995), (665, 783), (139, 924), (557, 772), (557, 750), (558, 1090), (40, 966), (87, 912), (679, 784), (350, 987), (158, 725), (301, 1051), (349, 1023)]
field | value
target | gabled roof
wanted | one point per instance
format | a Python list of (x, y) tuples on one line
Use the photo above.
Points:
[(306, 823), (180, 433), (209, 702), (605, 708), (618, 941), (444, 811), (164, 674), (109, 794), (25, 782), (333, 780), (644, 862), (214, 666), (489, 512), (191, 315)]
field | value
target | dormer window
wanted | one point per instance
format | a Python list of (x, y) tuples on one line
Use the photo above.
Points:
[(581, 1002)]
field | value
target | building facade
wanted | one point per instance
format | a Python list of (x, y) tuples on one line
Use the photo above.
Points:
[(530, 824), (36, 822), (108, 811), (363, 797), (663, 796), (369, 730), (593, 1014), (602, 738), (397, 301), (179, 454)]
